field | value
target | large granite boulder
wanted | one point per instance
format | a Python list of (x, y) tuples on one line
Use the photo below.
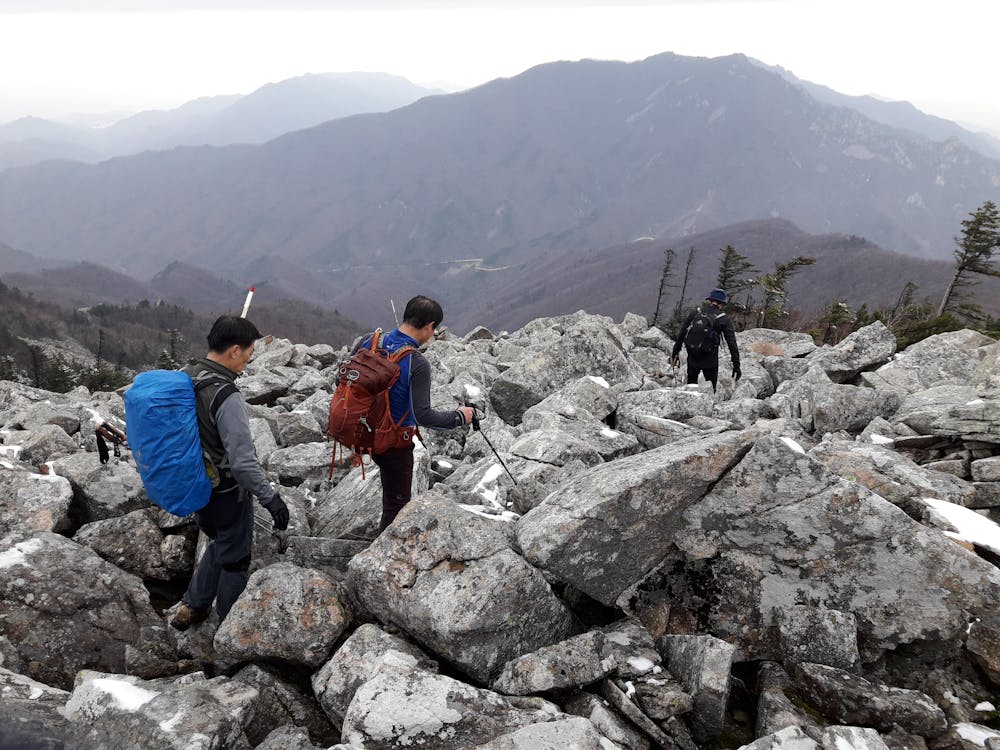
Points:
[(116, 710), (865, 349), (780, 530), (286, 613), (58, 626), (702, 664), (944, 359), (102, 490), (952, 411), (45, 443), (34, 502), (282, 702), (450, 579), (136, 544), (401, 706), (603, 530)]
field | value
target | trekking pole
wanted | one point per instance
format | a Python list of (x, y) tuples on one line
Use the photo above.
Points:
[(476, 428), (246, 305), (394, 316)]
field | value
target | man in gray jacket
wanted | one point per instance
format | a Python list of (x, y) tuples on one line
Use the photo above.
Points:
[(236, 474)]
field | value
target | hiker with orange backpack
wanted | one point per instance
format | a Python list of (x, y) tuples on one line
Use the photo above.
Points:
[(391, 417)]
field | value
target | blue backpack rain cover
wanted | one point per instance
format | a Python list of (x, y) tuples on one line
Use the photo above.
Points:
[(162, 427)]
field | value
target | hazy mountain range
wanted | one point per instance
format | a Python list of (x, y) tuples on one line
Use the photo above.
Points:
[(266, 113), (499, 200)]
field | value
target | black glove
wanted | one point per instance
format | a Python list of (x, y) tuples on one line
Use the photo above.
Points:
[(279, 512), (737, 372)]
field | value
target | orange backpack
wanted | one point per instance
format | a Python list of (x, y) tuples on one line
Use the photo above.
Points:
[(360, 417)]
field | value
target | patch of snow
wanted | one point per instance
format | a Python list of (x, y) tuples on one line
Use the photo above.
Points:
[(479, 510), (674, 421), (95, 417), (970, 526), (599, 380), (629, 689), (985, 706), (793, 445), (640, 663), (881, 439), (445, 464), (609, 433), (10, 451), (473, 391), (128, 696), (975, 402), (18, 554), (975, 733), (6, 465), (490, 477)]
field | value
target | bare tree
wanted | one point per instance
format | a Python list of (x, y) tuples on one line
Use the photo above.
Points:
[(668, 265), (679, 308)]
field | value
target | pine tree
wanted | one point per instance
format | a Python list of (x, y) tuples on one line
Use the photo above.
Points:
[(679, 307), (980, 238), (734, 277), (775, 290)]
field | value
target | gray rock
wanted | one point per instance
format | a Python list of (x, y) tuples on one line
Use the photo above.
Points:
[(957, 468), (402, 706), (632, 648), (265, 386), (329, 555), (662, 698), (554, 447), (985, 495), (950, 410), (58, 626), (65, 415), (613, 693), (356, 661), (784, 368), (770, 342), (318, 404), (479, 333), (572, 732), (604, 530), (264, 441), (986, 378), (775, 708), (550, 365), (186, 714), (135, 543), (435, 572), (702, 664), (865, 349), (666, 403), (743, 412), (298, 427), (846, 698), (986, 469), (818, 635), (653, 432), (983, 645), (609, 443), (890, 474), (34, 502), (102, 490), (943, 359), (293, 466), (270, 352), (574, 662), (281, 703), (311, 382), (47, 442), (589, 393), (289, 737), (845, 407), (286, 612), (608, 721), (269, 546), (779, 530)]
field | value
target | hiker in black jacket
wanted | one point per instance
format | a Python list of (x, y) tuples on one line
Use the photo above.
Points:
[(701, 332)]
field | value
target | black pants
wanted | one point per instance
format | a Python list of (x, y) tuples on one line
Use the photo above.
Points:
[(710, 370), (396, 473), (222, 571)]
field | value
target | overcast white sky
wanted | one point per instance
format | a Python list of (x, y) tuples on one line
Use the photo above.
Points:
[(67, 56)]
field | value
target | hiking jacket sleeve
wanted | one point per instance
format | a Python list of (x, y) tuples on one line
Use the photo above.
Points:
[(725, 325), (234, 430), (682, 334), (420, 398)]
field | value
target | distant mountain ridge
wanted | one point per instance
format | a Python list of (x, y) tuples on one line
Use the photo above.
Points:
[(268, 112)]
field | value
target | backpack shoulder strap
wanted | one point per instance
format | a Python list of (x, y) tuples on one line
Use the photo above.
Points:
[(226, 389), (377, 338), (402, 353)]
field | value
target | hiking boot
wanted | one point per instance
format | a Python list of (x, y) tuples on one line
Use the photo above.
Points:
[(186, 616)]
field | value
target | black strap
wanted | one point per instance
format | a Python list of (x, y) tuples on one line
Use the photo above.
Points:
[(227, 389)]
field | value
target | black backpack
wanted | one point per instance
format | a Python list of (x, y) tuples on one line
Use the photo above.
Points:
[(702, 335)]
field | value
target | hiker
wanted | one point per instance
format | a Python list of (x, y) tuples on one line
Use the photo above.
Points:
[(227, 519), (700, 334), (410, 402)]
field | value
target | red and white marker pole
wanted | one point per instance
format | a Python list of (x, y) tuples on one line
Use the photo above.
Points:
[(246, 305)]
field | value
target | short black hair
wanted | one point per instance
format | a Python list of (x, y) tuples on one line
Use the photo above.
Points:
[(229, 330), (422, 310)]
